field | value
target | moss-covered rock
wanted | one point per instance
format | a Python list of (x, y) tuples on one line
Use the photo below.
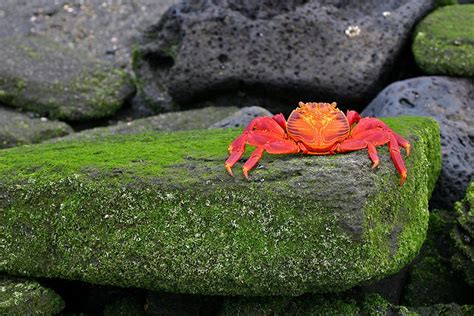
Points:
[(432, 278), (159, 211), (39, 75), (444, 41), (444, 310), (19, 297), (348, 304), (19, 129), (463, 235)]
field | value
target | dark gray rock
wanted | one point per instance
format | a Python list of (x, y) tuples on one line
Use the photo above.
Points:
[(105, 29), (450, 102), (242, 117), (18, 128), (283, 50), (39, 75)]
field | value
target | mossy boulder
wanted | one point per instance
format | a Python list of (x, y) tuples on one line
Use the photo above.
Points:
[(432, 279), (19, 129), (159, 211), (444, 41), (463, 235), (42, 76), (19, 297)]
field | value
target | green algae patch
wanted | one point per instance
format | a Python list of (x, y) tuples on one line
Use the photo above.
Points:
[(444, 41), (20, 297), (159, 211)]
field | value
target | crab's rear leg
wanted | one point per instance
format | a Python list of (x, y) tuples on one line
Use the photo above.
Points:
[(357, 144)]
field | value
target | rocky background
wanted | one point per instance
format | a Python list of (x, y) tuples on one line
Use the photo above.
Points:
[(86, 76)]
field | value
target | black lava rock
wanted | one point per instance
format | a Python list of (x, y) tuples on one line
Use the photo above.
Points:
[(286, 51)]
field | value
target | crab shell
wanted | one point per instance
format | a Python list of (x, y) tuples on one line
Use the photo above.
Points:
[(318, 126)]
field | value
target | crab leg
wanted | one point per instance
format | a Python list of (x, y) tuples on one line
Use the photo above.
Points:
[(372, 138), (236, 149), (357, 144), (271, 143), (397, 158)]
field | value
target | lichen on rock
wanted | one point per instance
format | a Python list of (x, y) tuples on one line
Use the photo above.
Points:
[(27, 297), (159, 211)]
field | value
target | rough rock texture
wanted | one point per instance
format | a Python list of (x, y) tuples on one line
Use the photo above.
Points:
[(159, 211), (39, 75), (172, 121), (347, 304), (168, 304), (105, 29), (432, 279), (25, 297), (126, 307), (242, 117), (283, 50), (451, 102), (463, 235), (19, 128), (444, 41)]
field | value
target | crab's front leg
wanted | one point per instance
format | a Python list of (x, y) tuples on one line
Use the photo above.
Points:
[(271, 143), (275, 125)]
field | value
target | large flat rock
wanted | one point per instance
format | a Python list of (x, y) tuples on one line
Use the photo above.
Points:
[(39, 75), (159, 211)]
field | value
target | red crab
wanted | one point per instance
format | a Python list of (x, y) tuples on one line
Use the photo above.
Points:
[(317, 129)]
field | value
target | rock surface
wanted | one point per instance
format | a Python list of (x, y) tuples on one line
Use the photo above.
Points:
[(39, 75), (18, 129), (159, 211), (242, 117), (105, 29), (444, 41), (285, 51), (172, 121), (463, 235), (451, 102), (25, 297)]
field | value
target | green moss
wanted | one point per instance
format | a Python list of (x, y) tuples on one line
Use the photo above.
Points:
[(23, 297), (432, 279), (158, 211), (444, 41), (463, 234)]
